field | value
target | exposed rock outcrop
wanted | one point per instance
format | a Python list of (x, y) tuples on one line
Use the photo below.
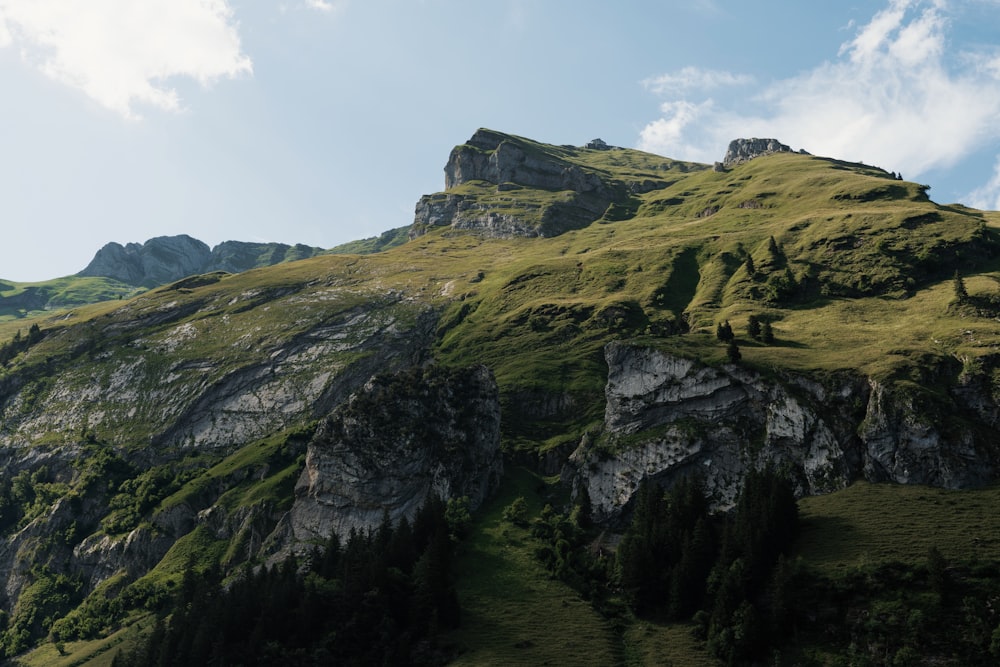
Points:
[(202, 403), (510, 163), (429, 430), (499, 158), (159, 410), (164, 259), (668, 416), (156, 262), (744, 150)]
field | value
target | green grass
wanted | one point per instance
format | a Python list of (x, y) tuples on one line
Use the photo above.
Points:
[(257, 472), (25, 300), (90, 653), (513, 613), (648, 643), (868, 524), (384, 241)]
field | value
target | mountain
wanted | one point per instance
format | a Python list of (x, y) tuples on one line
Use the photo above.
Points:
[(165, 259), (118, 271), (555, 327)]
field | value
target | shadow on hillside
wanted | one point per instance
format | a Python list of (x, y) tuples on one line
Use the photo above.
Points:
[(828, 539), (777, 342)]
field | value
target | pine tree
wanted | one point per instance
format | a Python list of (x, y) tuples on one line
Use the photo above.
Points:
[(733, 352), (767, 333), (772, 248), (751, 269), (753, 327), (961, 294), (724, 331)]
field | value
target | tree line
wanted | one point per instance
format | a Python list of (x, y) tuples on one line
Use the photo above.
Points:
[(677, 561), (381, 597), (19, 344)]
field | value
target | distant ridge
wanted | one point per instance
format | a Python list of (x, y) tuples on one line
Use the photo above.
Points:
[(165, 259)]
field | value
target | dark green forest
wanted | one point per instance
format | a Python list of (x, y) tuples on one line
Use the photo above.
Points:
[(380, 598)]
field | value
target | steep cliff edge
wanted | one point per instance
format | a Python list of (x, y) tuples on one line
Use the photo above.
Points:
[(399, 439), (668, 416), (502, 186)]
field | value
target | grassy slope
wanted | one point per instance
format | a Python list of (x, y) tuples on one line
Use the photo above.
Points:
[(877, 523), (513, 613), (539, 310), (27, 300)]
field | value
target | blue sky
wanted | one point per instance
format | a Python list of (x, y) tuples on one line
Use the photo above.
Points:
[(323, 121)]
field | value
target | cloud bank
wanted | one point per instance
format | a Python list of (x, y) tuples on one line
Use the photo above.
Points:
[(893, 96), (122, 53)]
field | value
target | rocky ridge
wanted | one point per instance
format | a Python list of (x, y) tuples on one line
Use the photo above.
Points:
[(502, 164), (668, 416), (744, 150), (164, 259)]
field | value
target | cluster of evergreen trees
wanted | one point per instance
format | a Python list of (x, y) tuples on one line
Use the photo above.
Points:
[(677, 561), (379, 598), (19, 344)]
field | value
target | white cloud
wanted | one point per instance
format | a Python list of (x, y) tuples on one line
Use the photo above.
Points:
[(327, 6), (694, 78), (672, 129), (891, 97), (987, 197), (121, 53)]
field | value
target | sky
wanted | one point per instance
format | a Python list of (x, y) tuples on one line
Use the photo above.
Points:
[(324, 121)]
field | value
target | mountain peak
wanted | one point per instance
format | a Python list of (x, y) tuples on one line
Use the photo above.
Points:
[(164, 259)]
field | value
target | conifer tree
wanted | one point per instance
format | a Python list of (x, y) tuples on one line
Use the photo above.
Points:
[(733, 352), (753, 327), (961, 294), (724, 331), (767, 333), (772, 248), (751, 269)]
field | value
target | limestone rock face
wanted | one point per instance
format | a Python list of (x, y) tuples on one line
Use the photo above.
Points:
[(493, 157), (667, 416), (398, 439), (510, 164), (165, 259), (744, 150), (156, 262)]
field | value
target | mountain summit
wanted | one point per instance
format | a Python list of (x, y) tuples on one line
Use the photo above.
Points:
[(164, 259)]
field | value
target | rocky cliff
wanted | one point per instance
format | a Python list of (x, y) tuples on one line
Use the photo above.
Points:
[(396, 441), (164, 259), (167, 381), (495, 167), (668, 416), (744, 150)]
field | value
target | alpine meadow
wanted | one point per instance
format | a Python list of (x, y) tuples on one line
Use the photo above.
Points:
[(594, 406)]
